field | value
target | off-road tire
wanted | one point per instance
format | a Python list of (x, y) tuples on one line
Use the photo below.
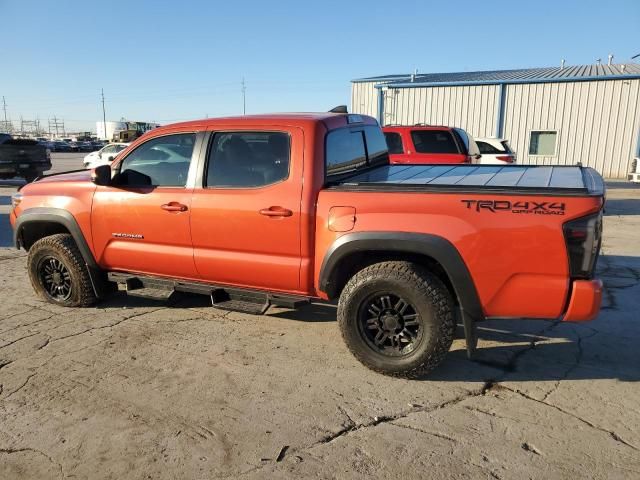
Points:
[(63, 248), (431, 301)]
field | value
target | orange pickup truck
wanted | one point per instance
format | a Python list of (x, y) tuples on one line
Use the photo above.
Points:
[(282, 209)]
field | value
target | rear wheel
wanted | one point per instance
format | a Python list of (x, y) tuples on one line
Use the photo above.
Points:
[(58, 272), (397, 318)]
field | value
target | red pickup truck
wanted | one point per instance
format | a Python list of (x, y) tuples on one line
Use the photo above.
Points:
[(280, 209)]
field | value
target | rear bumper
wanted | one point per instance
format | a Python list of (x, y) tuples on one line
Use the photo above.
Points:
[(584, 304)]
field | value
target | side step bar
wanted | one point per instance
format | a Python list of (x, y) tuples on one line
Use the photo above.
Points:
[(226, 298)]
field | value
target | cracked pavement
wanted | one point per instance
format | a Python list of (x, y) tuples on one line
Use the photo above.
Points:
[(156, 386)]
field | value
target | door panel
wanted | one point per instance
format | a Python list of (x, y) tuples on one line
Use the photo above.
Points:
[(132, 232), (142, 222), (249, 237)]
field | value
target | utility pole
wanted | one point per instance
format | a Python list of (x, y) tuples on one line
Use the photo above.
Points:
[(104, 116), (57, 125), (5, 125), (244, 97)]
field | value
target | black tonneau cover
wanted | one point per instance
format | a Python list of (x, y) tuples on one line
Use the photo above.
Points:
[(535, 180)]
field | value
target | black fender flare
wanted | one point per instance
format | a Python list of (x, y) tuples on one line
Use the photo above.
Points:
[(68, 221), (434, 246), (59, 216)]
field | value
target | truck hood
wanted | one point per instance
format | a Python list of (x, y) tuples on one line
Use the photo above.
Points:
[(74, 176)]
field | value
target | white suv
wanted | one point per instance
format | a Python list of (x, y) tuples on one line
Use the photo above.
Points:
[(105, 155), (495, 151)]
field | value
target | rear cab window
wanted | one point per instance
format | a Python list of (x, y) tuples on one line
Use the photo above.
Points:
[(434, 141), (352, 149)]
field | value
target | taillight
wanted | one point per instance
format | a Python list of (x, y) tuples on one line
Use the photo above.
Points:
[(582, 237), (505, 158)]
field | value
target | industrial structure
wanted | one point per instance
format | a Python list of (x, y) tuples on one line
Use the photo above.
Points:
[(551, 116), (107, 130)]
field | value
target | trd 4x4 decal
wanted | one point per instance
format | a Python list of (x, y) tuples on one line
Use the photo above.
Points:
[(538, 208)]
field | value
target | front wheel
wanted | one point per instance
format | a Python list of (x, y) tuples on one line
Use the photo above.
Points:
[(397, 318), (58, 272)]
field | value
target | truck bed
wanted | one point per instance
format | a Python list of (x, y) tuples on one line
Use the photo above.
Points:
[(531, 180)]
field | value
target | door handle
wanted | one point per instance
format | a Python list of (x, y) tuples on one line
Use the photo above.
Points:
[(276, 212), (174, 207)]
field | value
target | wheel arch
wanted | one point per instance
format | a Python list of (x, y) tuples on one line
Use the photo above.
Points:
[(354, 251), (36, 223)]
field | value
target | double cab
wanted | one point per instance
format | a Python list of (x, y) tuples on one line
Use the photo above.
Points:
[(264, 210)]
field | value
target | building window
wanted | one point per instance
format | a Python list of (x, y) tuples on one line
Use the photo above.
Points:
[(543, 143)]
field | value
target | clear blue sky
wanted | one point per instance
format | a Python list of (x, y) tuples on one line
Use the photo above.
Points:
[(173, 60)]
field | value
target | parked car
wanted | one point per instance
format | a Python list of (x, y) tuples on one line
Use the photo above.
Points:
[(104, 155), (98, 144), (48, 144), (495, 151), (85, 146), (20, 157), (430, 144), (60, 146), (75, 146), (282, 209)]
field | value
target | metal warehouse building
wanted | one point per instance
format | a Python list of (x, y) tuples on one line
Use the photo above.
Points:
[(551, 116)]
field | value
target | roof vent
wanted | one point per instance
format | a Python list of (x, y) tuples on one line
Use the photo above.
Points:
[(598, 61), (610, 59), (622, 67), (562, 64), (339, 109)]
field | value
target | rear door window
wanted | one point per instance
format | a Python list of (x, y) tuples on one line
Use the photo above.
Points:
[(248, 159), (394, 142), (434, 141)]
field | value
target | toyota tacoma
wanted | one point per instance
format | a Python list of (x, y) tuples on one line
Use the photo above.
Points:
[(282, 209)]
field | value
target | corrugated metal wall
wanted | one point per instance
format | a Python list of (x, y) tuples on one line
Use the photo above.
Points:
[(473, 108), (597, 122), (364, 98)]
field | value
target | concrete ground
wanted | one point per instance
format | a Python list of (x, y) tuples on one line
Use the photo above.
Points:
[(156, 387)]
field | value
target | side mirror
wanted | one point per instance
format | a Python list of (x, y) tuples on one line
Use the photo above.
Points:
[(101, 175)]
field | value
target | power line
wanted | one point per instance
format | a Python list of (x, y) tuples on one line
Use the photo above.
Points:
[(57, 125), (104, 115), (244, 97), (6, 126)]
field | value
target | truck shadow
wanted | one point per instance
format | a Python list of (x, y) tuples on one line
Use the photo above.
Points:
[(313, 312), (6, 234), (509, 350), (622, 206)]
